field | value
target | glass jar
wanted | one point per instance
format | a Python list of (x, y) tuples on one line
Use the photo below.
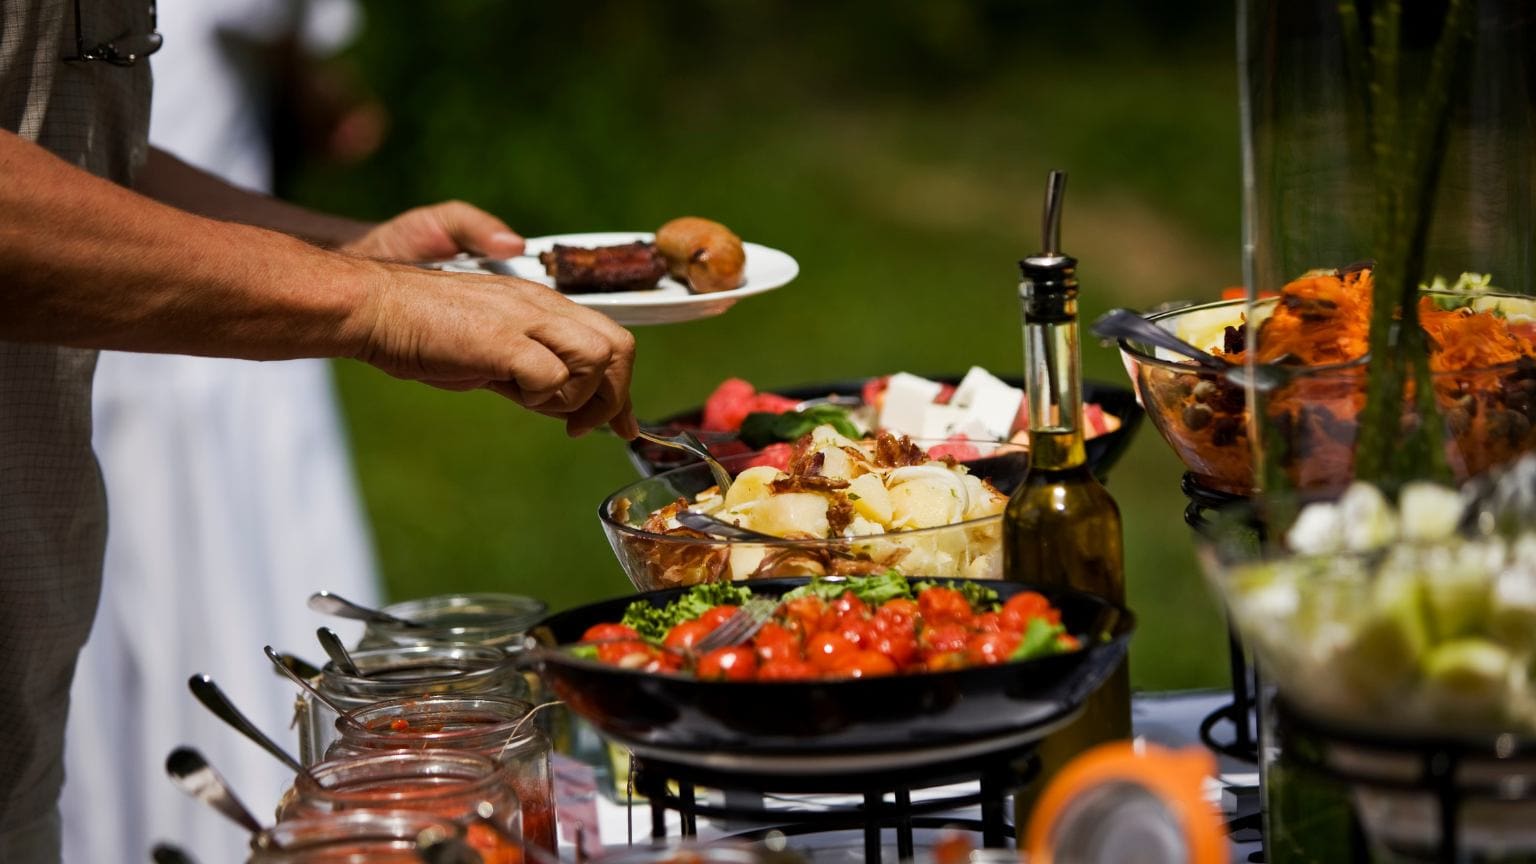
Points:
[(491, 727), (448, 784), (398, 672), (488, 620), (367, 837)]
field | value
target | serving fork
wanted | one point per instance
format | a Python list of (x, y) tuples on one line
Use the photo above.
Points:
[(741, 626)]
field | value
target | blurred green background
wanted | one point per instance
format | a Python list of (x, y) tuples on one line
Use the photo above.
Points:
[(898, 151)]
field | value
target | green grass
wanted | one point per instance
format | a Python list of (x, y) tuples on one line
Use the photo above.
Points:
[(905, 196)]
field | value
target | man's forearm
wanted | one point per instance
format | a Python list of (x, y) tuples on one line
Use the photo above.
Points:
[(88, 263), (166, 178)]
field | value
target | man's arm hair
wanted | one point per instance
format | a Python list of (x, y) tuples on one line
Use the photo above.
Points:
[(88, 263)]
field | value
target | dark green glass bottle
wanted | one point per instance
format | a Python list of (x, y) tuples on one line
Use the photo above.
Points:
[(1061, 527)]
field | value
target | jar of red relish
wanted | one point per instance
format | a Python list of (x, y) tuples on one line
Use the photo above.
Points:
[(490, 726), (352, 837), (465, 788), (402, 671)]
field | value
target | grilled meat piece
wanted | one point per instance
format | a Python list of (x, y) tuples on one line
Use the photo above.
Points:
[(625, 267)]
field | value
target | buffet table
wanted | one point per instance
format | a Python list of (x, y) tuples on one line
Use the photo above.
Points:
[(1171, 719)]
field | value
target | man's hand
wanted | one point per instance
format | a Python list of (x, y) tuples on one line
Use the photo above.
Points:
[(438, 231), (517, 338), (463, 331)]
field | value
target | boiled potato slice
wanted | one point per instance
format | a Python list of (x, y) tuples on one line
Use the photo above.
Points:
[(752, 484), (745, 558), (926, 496), (836, 463), (792, 514), (826, 435), (870, 498)]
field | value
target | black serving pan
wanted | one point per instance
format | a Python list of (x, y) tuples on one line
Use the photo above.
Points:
[(920, 711), (1103, 451)]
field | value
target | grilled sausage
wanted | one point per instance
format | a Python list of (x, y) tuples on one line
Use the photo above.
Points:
[(702, 253)]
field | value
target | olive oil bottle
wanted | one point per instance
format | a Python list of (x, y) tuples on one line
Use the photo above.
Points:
[(1061, 527)]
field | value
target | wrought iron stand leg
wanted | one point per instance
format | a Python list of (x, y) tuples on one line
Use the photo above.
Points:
[(903, 825), (874, 803), (648, 786), (690, 818), (1440, 767), (994, 792), (1242, 697)]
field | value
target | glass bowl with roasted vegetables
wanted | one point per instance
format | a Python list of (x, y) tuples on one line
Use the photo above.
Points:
[(1312, 343), (835, 506)]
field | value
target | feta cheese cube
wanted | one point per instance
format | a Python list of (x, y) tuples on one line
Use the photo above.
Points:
[(990, 404), (907, 399)]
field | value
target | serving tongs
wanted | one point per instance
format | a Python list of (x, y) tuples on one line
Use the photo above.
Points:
[(1125, 324)]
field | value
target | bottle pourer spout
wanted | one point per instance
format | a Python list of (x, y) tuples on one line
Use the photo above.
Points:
[(1050, 231)]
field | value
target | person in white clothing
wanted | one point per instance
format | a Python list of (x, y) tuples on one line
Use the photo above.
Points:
[(231, 469)]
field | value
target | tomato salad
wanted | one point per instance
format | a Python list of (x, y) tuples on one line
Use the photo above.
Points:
[(829, 629)]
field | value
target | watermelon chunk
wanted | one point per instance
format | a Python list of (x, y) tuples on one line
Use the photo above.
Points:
[(730, 404), (956, 447), (776, 455)]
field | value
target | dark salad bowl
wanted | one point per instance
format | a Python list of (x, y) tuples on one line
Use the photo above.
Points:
[(675, 714), (1103, 451)]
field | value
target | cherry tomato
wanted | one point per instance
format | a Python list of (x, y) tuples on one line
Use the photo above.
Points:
[(990, 649), (898, 606), (902, 649), (989, 622), (737, 663), (944, 639), (687, 634), (850, 603), (940, 605), (823, 649), (863, 664), (608, 632), (787, 670), (775, 642), (630, 655), (804, 614), (1026, 607), (945, 662), (718, 615), (663, 661), (855, 628)]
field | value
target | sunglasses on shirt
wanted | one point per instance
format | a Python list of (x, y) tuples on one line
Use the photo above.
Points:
[(122, 50)]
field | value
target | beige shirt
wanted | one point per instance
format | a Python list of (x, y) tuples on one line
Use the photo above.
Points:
[(52, 508)]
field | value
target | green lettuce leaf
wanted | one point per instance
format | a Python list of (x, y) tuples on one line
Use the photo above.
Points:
[(1039, 640), (653, 622)]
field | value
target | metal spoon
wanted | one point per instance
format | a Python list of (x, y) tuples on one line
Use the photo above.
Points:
[(299, 666), (194, 776), (327, 603), (716, 527), (688, 443), (165, 853), (214, 700), (338, 652), (313, 690)]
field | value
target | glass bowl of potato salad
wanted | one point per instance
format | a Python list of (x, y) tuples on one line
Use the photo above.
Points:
[(829, 505)]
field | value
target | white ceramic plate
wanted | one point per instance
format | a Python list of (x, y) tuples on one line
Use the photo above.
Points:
[(670, 301)]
